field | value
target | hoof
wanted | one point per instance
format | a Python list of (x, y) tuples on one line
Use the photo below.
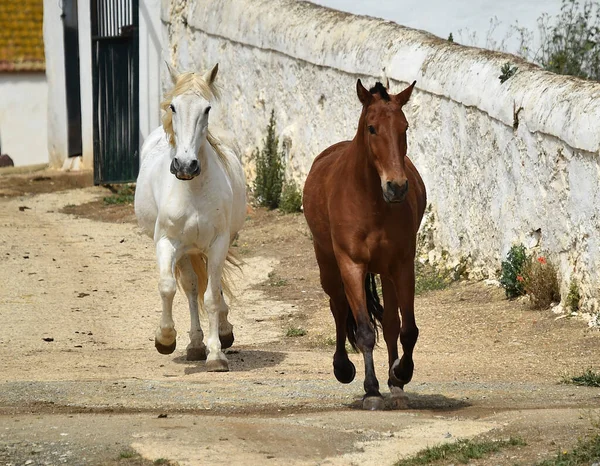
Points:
[(398, 399), (196, 354), (345, 373), (373, 403), (165, 349), (226, 340), (217, 365)]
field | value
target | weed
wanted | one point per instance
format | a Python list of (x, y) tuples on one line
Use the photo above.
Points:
[(573, 298), (291, 198), (541, 282), (461, 451), (430, 278), (330, 341), (587, 451), (450, 38), (128, 454), (589, 378), (124, 194), (507, 72), (270, 169), (511, 275), (295, 332)]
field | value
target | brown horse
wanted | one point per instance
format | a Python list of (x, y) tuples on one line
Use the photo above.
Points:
[(364, 201)]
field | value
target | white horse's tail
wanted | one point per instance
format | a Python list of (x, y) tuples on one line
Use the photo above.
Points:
[(199, 261)]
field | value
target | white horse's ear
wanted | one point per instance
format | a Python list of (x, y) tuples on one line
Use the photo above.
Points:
[(173, 73), (210, 76)]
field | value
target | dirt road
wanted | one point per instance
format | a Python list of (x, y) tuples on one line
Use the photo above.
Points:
[(81, 382)]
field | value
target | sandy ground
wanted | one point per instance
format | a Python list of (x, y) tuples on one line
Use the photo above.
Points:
[(81, 382)]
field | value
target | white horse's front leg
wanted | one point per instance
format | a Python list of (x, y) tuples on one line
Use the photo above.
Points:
[(215, 305), (165, 337), (188, 279)]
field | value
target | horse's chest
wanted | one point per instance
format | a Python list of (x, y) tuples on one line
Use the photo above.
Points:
[(191, 228)]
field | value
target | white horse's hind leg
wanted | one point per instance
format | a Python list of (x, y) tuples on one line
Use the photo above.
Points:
[(196, 350), (165, 337), (215, 305)]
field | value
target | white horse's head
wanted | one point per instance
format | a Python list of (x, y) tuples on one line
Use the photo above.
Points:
[(185, 120)]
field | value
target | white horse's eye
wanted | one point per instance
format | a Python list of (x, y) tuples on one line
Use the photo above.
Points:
[(172, 108), (207, 110)]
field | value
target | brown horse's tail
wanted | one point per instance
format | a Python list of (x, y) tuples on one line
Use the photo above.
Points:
[(374, 308)]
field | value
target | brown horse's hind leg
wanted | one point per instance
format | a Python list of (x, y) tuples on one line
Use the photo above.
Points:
[(401, 371), (331, 281)]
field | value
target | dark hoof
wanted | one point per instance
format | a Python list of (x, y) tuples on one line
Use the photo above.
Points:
[(163, 349), (196, 354), (217, 365), (344, 372), (398, 375), (226, 340), (373, 403)]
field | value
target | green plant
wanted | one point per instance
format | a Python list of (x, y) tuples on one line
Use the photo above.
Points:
[(430, 278), (511, 274), (270, 169), (589, 378), (571, 45), (573, 298), (124, 194), (541, 282), (295, 332), (450, 38), (587, 451), (507, 72), (461, 451), (291, 198), (128, 454)]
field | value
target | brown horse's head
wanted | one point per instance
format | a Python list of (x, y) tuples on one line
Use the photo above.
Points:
[(383, 128)]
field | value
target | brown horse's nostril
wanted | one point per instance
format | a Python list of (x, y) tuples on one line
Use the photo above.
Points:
[(394, 192)]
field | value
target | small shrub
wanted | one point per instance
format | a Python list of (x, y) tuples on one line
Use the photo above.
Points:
[(450, 38), (507, 72), (270, 169), (571, 45), (430, 278), (295, 332), (291, 198), (589, 378), (541, 282), (511, 274), (573, 298)]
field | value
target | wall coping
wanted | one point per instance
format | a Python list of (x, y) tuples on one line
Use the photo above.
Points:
[(562, 106)]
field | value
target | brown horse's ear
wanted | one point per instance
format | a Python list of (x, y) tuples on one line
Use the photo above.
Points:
[(210, 76), (363, 94), (403, 97)]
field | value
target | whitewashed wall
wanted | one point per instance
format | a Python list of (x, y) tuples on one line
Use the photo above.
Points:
[(23, 121), (490, 184)]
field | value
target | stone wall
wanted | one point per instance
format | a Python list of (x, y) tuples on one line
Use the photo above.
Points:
[(503, 163)]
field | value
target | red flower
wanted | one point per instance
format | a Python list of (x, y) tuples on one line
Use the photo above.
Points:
[(520, 278), (542, 260)]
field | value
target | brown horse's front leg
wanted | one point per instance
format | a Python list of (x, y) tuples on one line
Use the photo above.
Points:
[(401, 371), (391, 321), (353, 276)]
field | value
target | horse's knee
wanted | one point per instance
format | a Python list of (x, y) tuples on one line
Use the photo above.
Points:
[(365, 337), (167, 287)]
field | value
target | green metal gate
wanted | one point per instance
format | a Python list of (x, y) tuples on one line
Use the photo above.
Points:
[(115, 72)]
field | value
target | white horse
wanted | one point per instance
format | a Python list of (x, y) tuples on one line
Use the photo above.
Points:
[(191, 199)]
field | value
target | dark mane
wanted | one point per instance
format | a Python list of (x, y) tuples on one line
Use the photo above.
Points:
[(381, 90)]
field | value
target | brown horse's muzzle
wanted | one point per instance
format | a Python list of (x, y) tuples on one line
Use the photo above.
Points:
[(394, 192)]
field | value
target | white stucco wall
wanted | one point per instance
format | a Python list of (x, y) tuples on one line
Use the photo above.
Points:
[(23, 117), (57, 143), (490, 185)]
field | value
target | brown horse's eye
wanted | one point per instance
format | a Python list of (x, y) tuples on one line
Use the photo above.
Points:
[(371, 129)]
